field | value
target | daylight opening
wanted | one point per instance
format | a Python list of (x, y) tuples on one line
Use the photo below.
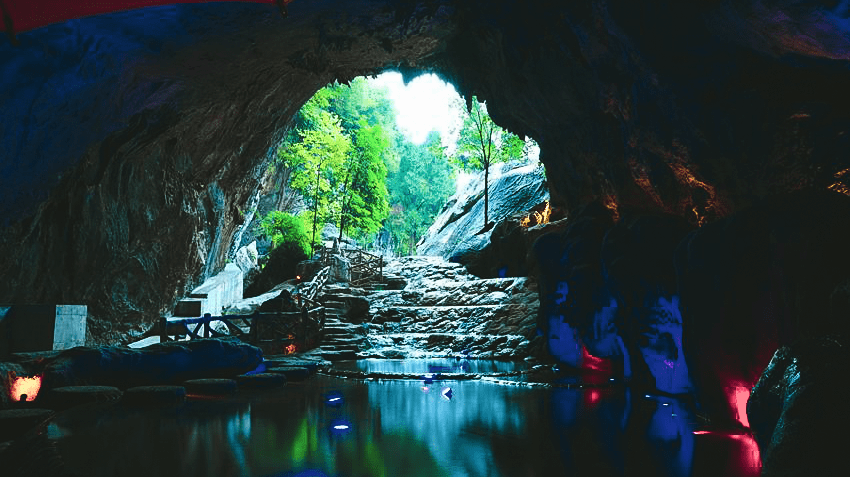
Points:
[(371, 164)]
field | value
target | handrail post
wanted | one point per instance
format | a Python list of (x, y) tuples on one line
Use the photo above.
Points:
[(207, 320), (163, 329), (254, 331)]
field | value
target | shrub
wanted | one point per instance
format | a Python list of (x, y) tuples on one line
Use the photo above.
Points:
[(283, 228)]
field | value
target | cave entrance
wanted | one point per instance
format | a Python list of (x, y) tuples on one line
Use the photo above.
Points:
[(371, 163)]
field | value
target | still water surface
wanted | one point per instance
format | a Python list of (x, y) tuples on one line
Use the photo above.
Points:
[(335, 427)]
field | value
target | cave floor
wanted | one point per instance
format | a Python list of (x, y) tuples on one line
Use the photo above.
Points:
[(329, 426)]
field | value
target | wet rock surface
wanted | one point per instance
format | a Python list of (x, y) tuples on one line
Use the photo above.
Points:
[(165, 363)]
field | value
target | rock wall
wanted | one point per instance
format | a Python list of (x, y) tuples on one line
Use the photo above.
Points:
[(137, 139)]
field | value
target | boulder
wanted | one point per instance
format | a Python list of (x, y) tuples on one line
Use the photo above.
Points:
[(165, 363), (340, 270), (281, 264)]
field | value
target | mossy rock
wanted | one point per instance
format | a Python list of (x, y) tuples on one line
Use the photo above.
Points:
[(154, 396), (261, 381), (292, 373), (70, 396), (210, 387)]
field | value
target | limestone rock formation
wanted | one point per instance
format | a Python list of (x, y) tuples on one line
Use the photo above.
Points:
[(758, 280), (455, 233)]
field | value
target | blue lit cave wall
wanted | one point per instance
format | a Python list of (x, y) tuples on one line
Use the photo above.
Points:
[(698, 149)]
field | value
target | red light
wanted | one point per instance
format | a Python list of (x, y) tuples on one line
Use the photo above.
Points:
[(738, 396)]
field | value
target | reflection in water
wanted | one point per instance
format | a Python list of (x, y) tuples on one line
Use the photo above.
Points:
[(441, 365), (335, 427)]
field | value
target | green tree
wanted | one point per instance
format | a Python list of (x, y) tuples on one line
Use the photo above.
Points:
[(316, 158), (418, 191), (364, 203), (482, 143)]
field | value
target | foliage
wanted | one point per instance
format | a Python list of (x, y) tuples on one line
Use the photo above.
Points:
[(418, 191), (339, 156), (284, 228), (364, 191), (316, 158)]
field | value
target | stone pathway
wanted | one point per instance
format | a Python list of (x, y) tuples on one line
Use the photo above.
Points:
[(343, 337)]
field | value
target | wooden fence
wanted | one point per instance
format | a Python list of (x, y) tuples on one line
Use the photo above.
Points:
[(365, 267), (275, 333)]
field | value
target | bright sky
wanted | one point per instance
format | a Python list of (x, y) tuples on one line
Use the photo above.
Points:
[(425, 105), (422, 106)]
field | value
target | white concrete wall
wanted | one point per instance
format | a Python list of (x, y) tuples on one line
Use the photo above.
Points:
[(220, 291), (69, 329)]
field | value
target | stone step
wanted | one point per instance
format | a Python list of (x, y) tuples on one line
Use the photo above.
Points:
[(338, 355), (342, 329), (339, 347), (335, 339), (505, 319)]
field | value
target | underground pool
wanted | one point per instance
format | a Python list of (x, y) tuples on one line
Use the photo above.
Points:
[(330, 426)]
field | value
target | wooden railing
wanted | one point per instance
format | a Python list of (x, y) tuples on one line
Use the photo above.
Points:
[(275, 331), (308, 293), (365, 267), (301, 329)]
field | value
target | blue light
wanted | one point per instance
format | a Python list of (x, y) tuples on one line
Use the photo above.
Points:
[(334, 399), (260, 369), (340, 427)]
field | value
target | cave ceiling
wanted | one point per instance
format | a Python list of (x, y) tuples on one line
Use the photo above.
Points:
[(134, 140)]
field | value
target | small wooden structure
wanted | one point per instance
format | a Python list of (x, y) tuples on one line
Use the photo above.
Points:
[(365, 268), (274, 333)]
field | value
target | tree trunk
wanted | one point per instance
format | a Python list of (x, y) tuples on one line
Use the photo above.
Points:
[(315, 211), (486, 192)]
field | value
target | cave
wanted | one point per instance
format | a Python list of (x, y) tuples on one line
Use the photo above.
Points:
[(697, 152)]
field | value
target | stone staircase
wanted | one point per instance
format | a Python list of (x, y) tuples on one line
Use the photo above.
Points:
[(440, 310), (342, 338), (445, 311)]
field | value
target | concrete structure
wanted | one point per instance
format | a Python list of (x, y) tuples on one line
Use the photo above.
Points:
[(218, 292), (27, 328)]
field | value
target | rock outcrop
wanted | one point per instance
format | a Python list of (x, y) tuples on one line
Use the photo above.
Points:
[(455, 233)]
